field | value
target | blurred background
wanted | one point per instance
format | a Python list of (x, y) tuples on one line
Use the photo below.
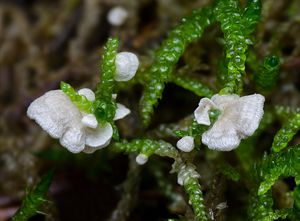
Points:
[(43, 42)]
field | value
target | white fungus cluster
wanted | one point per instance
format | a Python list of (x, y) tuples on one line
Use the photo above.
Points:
[(76, 131), (117, 16), (239, 118)]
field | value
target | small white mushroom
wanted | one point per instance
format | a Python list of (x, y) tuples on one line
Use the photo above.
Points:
[(127, 64), (117, 16), (141, 159), (88, 93), (121, 111), (186, 144), (239, 118)]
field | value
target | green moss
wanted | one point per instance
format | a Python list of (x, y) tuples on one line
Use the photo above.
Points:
[(34, 199), (168, 55), (285, 163), (104, 105), (230, 172), (267, 76), (193, 189), (147, 147), (286, 133), (79, 100), (192, 84), (236, 27), (266, 173)]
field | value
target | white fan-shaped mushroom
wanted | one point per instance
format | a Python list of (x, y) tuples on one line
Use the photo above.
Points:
[(127, 64), (88, 93), (186, 144), (49, 112), (62, 119), (117, 16), (239, 118)]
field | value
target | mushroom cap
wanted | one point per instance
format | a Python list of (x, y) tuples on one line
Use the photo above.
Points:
[(141, 159), (252, 108), (54, 112), (88, 93), (73, 139), (121, 112), (127, 64), (117, 16), (186, 144), (222, 136), (98, 138), (89, 120), (222, 101), (239, 118)]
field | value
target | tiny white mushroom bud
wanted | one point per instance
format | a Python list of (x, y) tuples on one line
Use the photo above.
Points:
[(186, 144), (89, 121), (222, 205), (121, 111), (141, 159), (117, 16), (114, 96), (88, 93), (127, 64), (180, 180)]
